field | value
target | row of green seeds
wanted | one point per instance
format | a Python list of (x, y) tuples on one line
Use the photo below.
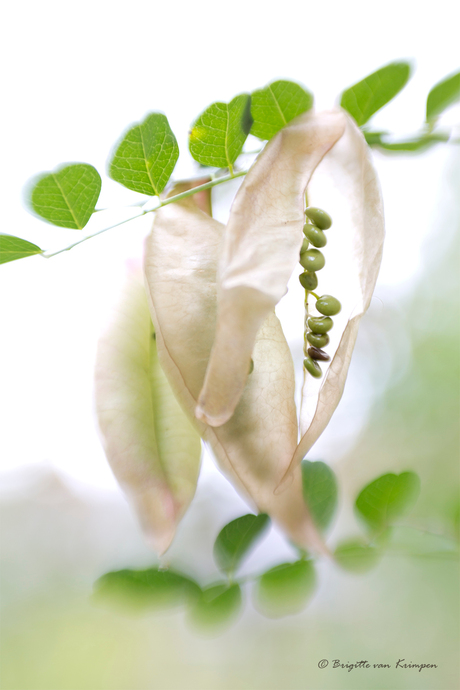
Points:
[(316, 328)]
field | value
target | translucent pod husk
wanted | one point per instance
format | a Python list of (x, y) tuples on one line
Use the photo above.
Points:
[(151, 446), (255, 446), (327, 155)]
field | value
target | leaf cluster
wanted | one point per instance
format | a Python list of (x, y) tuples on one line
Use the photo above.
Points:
[(145, 157)]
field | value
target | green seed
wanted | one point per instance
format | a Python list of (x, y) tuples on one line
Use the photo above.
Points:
[(319, 217), (305, 245), (312, 367), (308, 281), (318, 339), (312, 260), (251, 366), (315, 235), (320, 324), (328, 305)]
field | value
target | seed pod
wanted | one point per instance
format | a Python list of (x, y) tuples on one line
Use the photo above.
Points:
[(319, 217), (151, 446), (320, 324), (315, 235), (308, 281), (317, 353), (318, 339), (312, 260), (312, 367), (328, 305)]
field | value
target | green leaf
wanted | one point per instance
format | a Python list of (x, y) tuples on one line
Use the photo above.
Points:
[(387, 498), (216, 607), (356, 556), (67, 197), (442, 95), (276, 105), (145, 589), (237, 538), (363, 99), (146, 156), (319, 492), (12, 248), (286, 588), (218, 135)]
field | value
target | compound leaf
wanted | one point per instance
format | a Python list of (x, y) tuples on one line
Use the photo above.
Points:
[(146, 156), (12, 248), (276, 105), (66, 197), (218, 135), (370, 94), (235, 540)]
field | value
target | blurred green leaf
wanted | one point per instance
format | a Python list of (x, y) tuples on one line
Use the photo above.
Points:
[(218, 135), (442, 95), (66, 197), (146, 156), (363, 99), (145, 589), (216, 607), (356, 556), (286, 588), (12, 248), (319, 492), (387, 498), (276, 105), (236, 539)]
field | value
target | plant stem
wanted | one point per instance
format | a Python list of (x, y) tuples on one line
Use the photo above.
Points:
[(164, 202)]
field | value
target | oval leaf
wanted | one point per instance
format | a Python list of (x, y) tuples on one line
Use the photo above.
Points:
[(285, 589), (151, 446), (356, 556), (276, 105), (218, 135), (145, 589), (237, 538), (363, 99), (67, 197), (387, 498), (319, 491), (442, 95), (217, 607), (146, 156), (12, 248)]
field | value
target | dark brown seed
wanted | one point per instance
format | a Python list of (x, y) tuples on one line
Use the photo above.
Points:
[(317, 353)]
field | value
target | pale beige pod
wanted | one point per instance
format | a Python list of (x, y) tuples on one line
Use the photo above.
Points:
[(151, 446), (325, 155), (255, 446)]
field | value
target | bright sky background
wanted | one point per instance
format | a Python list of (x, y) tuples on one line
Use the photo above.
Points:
[(77, 74)]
